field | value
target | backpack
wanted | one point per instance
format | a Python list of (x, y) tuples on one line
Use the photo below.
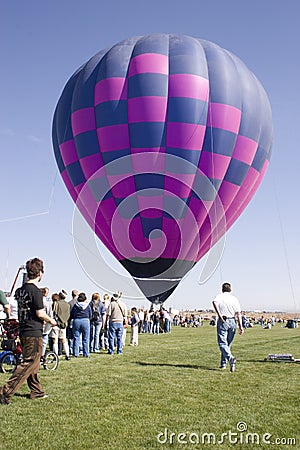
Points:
[(24, 304), (60, 323), (95, 315), (61, 313)]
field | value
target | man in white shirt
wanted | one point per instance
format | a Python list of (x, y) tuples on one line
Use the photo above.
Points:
[(227, 308)]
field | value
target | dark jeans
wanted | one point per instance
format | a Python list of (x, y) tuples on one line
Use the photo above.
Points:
[(27, 370)]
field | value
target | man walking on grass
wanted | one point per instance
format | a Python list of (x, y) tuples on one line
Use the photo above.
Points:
[(227, 308), (31, 314)]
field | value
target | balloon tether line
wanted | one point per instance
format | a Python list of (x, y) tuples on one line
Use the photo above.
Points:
[(283, 241)]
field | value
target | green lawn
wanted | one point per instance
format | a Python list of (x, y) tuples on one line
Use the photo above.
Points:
[(169, 384)]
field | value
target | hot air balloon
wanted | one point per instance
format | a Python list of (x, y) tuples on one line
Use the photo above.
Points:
[(162, 141)]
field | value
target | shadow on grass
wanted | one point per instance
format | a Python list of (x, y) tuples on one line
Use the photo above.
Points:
[(184, 366), (17, 394)]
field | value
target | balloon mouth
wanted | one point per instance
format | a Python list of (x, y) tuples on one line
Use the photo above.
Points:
[(157, 279), (158, 269)]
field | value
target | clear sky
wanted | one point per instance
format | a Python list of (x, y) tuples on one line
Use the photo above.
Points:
[(43, 43)]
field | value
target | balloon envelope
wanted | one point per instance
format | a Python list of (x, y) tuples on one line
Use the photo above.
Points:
[(162, 141)]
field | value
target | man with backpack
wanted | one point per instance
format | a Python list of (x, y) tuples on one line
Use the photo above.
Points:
[(31, 315)]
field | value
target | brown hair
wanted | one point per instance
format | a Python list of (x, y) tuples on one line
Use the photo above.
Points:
[(55, 297), (226, 287), (45, 291), (34, 267), (96, 298)]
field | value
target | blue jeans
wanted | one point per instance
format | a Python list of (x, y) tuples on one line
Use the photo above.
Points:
[(115, 330), (155, 328), (81, 326), (225, 332), (146, 327), (95, 334), (167, 326)]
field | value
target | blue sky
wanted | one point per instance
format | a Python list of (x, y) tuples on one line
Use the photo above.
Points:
[(43, 43)]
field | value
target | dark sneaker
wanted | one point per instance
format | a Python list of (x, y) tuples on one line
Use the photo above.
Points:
[(67, 358), (4, 400), (232, 363), (40, 397)]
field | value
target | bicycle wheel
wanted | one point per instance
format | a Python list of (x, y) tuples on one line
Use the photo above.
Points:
[(50, 361), (8, 363)]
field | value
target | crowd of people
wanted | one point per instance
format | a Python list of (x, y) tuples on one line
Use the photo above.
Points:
[(80, 325), (89, 325)]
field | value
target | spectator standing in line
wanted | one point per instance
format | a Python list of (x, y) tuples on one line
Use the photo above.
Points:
[(141, 315), (167, 321), (116, 314), (61, 313), (47, 302), (146, 325), (104, 331), (134, 322), (81, 314), (69, 331), (98, 312), (155, 320), (227, 308)]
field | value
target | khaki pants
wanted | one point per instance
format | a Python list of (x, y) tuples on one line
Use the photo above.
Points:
[(27, 370), (134, 335)]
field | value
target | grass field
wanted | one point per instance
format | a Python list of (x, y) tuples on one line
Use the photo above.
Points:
[(166, 393)]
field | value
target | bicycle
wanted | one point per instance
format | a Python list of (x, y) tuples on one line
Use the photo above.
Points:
[(50, 360), (12, 354)]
